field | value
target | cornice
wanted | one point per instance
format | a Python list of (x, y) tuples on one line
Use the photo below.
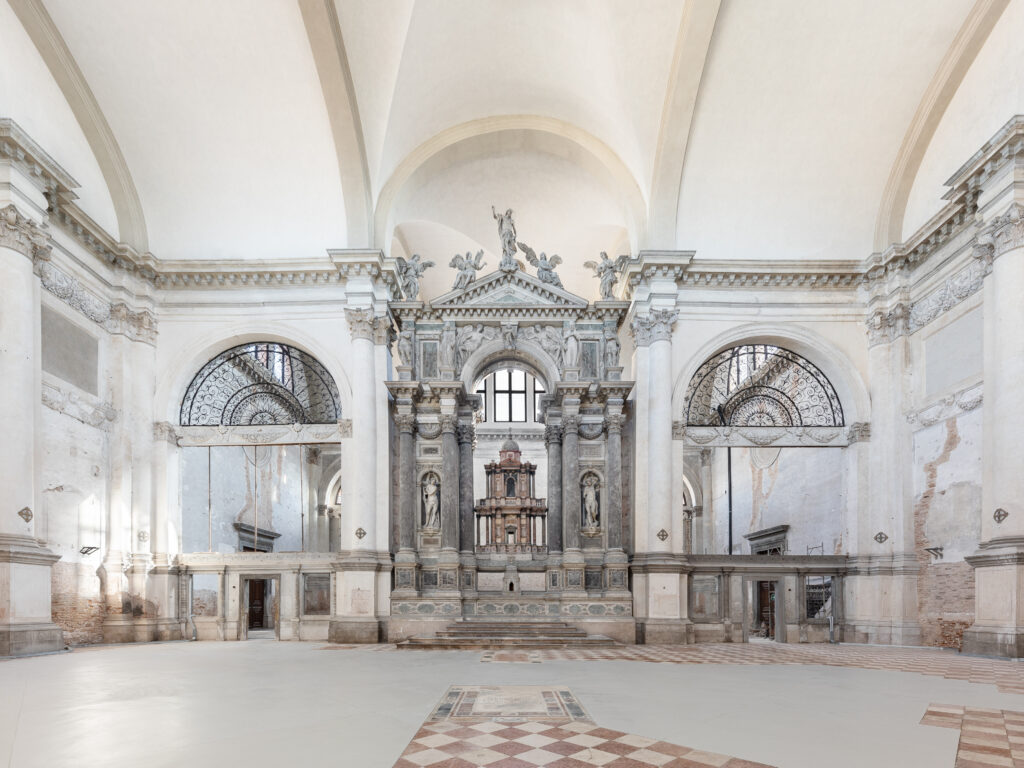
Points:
[(18, 148)]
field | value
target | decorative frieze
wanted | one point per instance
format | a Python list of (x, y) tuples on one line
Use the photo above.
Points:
[(779, 437), (949, 407), (954, 290), (99, 415), (164, 431), (860, 432), (264, 434), (1006, 231)]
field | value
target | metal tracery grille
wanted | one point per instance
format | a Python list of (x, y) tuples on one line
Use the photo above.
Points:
[(261, 383), (761, 385)]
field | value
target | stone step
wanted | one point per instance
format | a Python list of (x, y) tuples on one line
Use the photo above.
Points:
[(493, 635)]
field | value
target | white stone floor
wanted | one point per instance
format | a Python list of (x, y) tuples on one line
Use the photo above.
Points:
[(266, 703)]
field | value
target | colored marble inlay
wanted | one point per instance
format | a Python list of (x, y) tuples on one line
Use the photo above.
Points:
[(989, 738), (509, 703)]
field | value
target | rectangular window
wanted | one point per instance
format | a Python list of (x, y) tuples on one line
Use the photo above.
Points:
[(482, 391), (510, 395), (316, 594), (819, 597), (538, 392)]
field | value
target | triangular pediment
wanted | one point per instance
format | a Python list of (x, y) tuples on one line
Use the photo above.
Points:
[(509, 290)]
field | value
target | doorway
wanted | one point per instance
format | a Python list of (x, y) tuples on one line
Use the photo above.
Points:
[(261, 608), (765, 610)]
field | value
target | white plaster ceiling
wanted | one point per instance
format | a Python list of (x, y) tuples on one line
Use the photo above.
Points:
[(558, 109)]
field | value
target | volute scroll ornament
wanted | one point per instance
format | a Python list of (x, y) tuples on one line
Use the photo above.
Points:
[(23, 235), (553, 433), (405, 422), (360, 323), (466, 434), (570, 424), (449, 423)]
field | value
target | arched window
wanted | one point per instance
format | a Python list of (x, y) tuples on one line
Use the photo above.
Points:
[(761, 385), (261, 383), (510, 395)]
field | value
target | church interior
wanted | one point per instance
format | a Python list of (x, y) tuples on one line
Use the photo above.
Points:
[(453, 383)]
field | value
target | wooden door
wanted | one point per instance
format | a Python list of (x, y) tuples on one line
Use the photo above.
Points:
[(766, 606), (257, 598)]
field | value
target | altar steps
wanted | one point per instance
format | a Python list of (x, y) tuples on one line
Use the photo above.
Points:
[(495, 635)]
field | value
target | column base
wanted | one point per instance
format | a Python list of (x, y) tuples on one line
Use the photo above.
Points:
[(362, 631), (1006, 642), (664, 631), (998, 575), (25, 599), (30, 639)]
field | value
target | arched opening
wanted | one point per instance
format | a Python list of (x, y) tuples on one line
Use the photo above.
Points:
[(761, 385), (266, 491), (759, 496)]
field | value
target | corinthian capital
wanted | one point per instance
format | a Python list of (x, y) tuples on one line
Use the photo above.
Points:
[(467, 433), (406, 422), (383, 332), (613, 423), (449, 422), (656, 326), (553, 433), (360, 323), (570, 424), (22, 234), (1007, 231)]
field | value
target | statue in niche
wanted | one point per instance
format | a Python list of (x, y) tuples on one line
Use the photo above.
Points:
[(468, 266), (407, 346), (591, 508), (507, 233), (611, 349), (447, 348), (545, 266), (607, 271), (409, 274), (431, 502), (571, 355)]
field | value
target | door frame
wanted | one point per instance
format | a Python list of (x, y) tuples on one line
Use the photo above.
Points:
[(243, 622)]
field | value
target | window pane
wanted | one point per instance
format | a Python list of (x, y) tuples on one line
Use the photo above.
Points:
[(501, 407), (501, 380), (518, 380), (519, 407), (537, 386)]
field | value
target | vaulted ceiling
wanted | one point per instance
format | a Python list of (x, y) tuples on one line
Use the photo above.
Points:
[(280, 128)]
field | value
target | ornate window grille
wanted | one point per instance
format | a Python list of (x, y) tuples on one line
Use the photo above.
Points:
[(261, 383), (761, 385)]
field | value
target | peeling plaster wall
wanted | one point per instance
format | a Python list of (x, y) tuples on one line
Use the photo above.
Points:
[(803, 488), (74, 469), (947, 514)]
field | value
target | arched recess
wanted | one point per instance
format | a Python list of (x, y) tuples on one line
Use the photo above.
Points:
[(492, 355), (570, 140), (829, 359), (261, 382), (177, 373), (937, 97)]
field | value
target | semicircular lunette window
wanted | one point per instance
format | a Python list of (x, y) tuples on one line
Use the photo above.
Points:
[(761, 385), (261, 383)]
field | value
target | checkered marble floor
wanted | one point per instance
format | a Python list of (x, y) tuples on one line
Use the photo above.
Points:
[(576, 744), (989, 738), (1008, 676)]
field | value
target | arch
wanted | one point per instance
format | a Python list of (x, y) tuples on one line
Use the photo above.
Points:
[(829, 359), (492, 355), (261, 383), (570, 136), (936, 99), (177, 373), (131, 222)]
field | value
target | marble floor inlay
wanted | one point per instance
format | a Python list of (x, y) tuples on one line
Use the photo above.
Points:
[(989, 738), (525, 726)]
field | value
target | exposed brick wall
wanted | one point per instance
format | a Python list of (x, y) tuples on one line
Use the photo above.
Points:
[(945, 591), (77, 603)]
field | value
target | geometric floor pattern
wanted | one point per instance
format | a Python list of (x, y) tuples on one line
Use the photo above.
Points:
[(1007, 675), (989, 738), (531, 726)]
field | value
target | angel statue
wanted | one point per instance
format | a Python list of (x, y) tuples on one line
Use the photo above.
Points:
[(468, 266), (545, 266), (607, 272), (507, 233), (409, 274)]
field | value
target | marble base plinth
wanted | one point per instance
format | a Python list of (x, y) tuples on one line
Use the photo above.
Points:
[(355, 631)]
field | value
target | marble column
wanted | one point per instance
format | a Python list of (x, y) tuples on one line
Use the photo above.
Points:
[(613, 486), (659, 431), (25, 620), (553, 436), (161, 588), (467, 541), (363, 458), (999, 563), (570, 481), (449, 483), (406, 423)]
